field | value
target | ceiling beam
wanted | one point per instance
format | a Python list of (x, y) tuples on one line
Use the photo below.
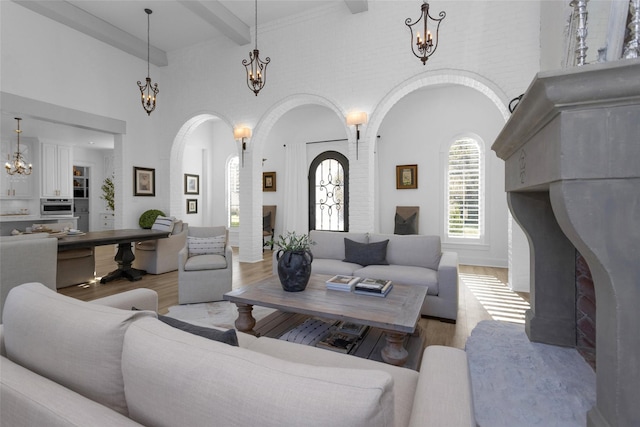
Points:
[(76, 18), (357, 6), (221, 18)]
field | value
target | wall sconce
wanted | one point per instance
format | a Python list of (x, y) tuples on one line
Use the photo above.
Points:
[(242, 134), (357, 119)]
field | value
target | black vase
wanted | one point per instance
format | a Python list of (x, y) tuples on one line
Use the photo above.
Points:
[(294, 269)]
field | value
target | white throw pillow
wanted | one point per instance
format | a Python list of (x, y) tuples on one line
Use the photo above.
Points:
[(163, 223), (206, 245)]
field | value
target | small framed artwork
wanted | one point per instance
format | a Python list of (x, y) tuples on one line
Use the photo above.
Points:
[(144, 181), (268, 181), (406, 177), (191, 184), (192, 206)]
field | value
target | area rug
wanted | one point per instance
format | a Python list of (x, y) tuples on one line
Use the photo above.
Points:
[(520, 383), (220, 313)]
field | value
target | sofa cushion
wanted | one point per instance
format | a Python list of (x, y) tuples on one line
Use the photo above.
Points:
[(205, 262), (29, 399), (404, 380), (174, 378), (206, 245), (333, 267), (330, 244), (228, 337), (74, 343), (366, 253), (415, 250), (406, 274)]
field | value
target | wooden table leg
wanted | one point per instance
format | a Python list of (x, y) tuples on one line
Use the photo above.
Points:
[(394, 352), (245, 321)]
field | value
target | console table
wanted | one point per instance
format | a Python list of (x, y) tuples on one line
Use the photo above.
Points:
[(123, 238)]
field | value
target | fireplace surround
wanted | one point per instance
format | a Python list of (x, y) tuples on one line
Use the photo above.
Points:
[(572, 176)]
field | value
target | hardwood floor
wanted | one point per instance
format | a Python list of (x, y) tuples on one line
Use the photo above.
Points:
[(483, 294)]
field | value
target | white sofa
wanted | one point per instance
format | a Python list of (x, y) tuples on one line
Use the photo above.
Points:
[(412, 259), (70, 363)]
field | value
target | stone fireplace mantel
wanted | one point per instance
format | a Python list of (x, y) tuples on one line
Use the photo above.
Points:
[(572, 174)]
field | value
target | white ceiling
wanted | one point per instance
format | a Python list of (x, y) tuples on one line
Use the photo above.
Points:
[(54, 132), (175, 24)]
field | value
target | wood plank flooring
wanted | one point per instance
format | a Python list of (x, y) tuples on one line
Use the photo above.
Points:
[(470, 311)]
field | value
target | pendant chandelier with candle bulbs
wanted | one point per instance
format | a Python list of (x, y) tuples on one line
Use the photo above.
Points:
[(423, 48), (255, 67), (18, 165), (148, 91)]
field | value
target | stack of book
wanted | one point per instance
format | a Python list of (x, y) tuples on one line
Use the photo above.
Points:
[(342, 283), (344, 338), (376, 287)]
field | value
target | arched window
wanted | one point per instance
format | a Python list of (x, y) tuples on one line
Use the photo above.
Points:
[(465, 190), (329, 192), (233, 192)]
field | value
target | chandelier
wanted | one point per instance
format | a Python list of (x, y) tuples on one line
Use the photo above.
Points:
[(256, 68), (18, 165), (148, 91), (424, 48)]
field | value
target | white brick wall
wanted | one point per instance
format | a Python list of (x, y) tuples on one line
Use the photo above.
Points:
[(349, 62)]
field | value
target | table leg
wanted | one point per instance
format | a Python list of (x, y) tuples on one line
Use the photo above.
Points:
[(394, 352), (124, 258), (245, 321)]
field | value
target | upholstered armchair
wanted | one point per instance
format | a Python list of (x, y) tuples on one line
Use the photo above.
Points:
[(161, 255), (27, 258), (268, 225), (74, 266), (406, 220), (204, 265)]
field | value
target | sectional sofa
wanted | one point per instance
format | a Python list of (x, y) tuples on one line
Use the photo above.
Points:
[(70, 363), (410, 259)]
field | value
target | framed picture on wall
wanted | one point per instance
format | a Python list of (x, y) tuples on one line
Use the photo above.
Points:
[(144, 181), (191, 184), (406, 177), (192, 206), (268, 181)]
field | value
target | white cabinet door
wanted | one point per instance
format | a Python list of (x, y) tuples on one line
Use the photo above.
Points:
[(65, 171), (57, 171), (16, 186)]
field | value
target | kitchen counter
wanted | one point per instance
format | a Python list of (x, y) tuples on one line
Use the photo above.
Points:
[(31, 217), (21, 222)]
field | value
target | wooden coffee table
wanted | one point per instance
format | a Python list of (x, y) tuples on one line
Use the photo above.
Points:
[(397, 313)]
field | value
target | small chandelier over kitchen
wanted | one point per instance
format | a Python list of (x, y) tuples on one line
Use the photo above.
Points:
[(18, 164), (256, 68), (424, 48), (148, 90)]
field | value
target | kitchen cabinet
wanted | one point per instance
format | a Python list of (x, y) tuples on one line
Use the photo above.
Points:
[(80, 182), (107, 221), (16, 186), (57, 171)]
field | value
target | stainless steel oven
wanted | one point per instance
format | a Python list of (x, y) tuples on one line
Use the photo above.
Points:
[(56, 207)]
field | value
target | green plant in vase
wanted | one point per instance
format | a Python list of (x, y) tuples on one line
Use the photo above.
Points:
[(108, 193), (294, 260)]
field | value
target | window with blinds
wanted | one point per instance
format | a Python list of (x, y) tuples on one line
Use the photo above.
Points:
[(233, 191), (464, 190)]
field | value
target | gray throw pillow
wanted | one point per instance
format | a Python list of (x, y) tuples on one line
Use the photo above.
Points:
[(405, 226), (228, 337), (366, 253)]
